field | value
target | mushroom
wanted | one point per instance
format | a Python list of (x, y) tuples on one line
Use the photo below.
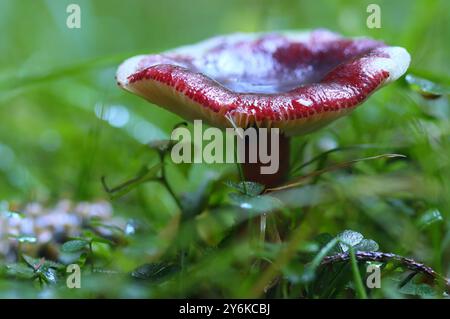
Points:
[(295, 81)]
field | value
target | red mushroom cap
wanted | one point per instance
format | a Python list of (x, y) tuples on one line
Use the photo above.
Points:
[(296, 81)]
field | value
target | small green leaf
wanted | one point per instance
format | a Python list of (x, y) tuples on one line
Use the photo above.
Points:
[(421, 290), (37, 263), (154, 271), (32, 262), (241, 200), (54, 265), (90, 236), (74, 245), (366, 245), (247, 188), (349, 238), (48, 275), (258, 204), (19, 270), (426, 88), (101, 240), (429, 218)]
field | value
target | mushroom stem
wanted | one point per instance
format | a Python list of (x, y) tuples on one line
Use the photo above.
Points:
[(252, 171)]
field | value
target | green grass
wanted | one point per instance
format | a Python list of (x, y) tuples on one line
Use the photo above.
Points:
[(53, 145)]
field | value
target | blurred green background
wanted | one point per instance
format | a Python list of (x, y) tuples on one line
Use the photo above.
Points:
[(55, 84)]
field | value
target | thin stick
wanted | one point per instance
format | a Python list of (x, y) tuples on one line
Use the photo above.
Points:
[(299, 180), (408, 263)]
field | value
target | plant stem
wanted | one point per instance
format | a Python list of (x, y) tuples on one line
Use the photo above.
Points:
[(166, 184), (359, 287), (282, 259), (262, 229)]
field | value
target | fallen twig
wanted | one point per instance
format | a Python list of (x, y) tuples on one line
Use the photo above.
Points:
[(409, 263)]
